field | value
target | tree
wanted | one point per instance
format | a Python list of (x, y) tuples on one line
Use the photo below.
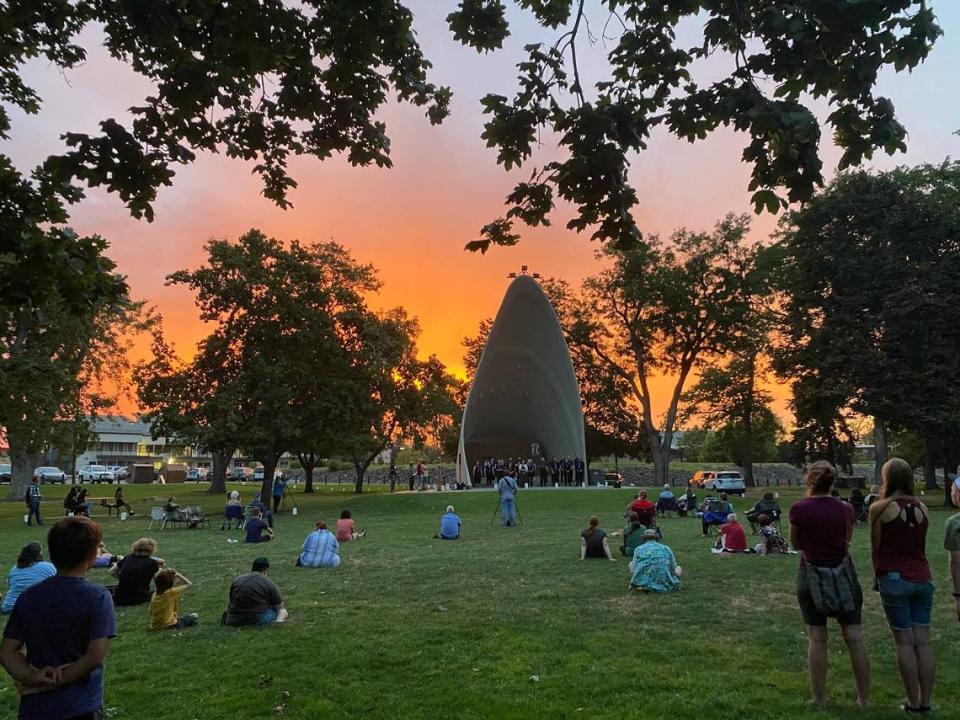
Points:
[(283, 357), (398, 395), (196, 402), (669, 310), (779, 53), (871, 306), (731, 398), (60, 336)]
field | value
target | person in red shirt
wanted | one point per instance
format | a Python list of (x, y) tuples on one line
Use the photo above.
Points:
[(345, 528), (731, 536), (646, 511)]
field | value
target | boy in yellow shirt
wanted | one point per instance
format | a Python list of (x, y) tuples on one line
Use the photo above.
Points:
[(165, 602)]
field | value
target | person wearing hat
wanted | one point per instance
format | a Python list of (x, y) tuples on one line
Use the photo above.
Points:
[(654, 568), (255, 599), (951, 542)]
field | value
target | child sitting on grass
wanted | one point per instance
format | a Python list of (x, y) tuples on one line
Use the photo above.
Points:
[(165, 602)]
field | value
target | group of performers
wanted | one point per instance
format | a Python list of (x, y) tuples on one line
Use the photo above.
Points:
[(563, 471)]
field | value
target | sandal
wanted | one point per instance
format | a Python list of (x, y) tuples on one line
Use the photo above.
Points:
[(918, 709)]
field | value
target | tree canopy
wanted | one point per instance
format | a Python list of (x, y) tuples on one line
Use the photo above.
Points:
[(777, 56)]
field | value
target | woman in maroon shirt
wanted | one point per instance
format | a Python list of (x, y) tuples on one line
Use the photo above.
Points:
[(821, 528), (898, 536)]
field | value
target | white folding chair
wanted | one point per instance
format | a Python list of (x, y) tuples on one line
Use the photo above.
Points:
[(157, 515)]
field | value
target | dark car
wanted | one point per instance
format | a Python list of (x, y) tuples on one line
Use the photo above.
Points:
[(5, 471)]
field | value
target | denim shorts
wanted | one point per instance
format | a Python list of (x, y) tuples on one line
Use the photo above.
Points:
[(268, 617), (907, 604)]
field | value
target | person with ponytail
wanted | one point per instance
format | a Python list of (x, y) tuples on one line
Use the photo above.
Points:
[(593, 541), (821, 528), (898, 537)]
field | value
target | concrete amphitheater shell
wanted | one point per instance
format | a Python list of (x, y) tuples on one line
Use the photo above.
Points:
[(524, 401)]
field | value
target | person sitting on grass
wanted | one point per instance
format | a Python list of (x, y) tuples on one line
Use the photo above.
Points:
[(654, 567), (771, 541), (593, 541), (345, 529), (105, 558), (165, 602), (257, 530), (57, 638), (632, 535), (731, 537), (320, 549), (449, 525), (29, 570), (135, 572), (255, 599)]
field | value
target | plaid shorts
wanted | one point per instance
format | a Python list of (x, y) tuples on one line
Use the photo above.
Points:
[(829, 592)]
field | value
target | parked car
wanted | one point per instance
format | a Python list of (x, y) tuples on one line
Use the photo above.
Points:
[(50, 475), (120, 472), (196, 474), (241, 474), (5, 471), (701, 477), (258, 474), (728, 481), (95, 473)]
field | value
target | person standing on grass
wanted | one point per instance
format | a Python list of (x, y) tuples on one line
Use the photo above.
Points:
[(255, 599), (57, 638), (507, 489), (421, 474), (165, 602), (951, 542), (279, 488), (898, 537), (32, 499), (821, 528), (120, 502)]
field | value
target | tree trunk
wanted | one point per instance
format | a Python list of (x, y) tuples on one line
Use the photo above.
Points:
[(360, 469), (881, 450), (269, 468), (930, 465), (308, 461), (748, 424), (661, 460), (22, 463), (218, 476)]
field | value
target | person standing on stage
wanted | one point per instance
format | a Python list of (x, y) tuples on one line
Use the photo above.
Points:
[(555, 471), (507, 489), (579, 469), (544, 474)]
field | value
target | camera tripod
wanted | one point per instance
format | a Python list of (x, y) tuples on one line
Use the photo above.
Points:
[(516, 508)]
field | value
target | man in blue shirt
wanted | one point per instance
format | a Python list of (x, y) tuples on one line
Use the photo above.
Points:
[(449, 525), (279, 487), (33, 502), (320, 549), (65, 624), (257, 530), (507, 487)]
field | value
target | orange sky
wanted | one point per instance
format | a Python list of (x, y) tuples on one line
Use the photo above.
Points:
[(413, 220)]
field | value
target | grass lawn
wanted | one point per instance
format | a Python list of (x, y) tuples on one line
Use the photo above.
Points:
[(507, 623)]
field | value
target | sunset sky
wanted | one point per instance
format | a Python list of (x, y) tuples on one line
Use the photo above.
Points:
[(413, 220)]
